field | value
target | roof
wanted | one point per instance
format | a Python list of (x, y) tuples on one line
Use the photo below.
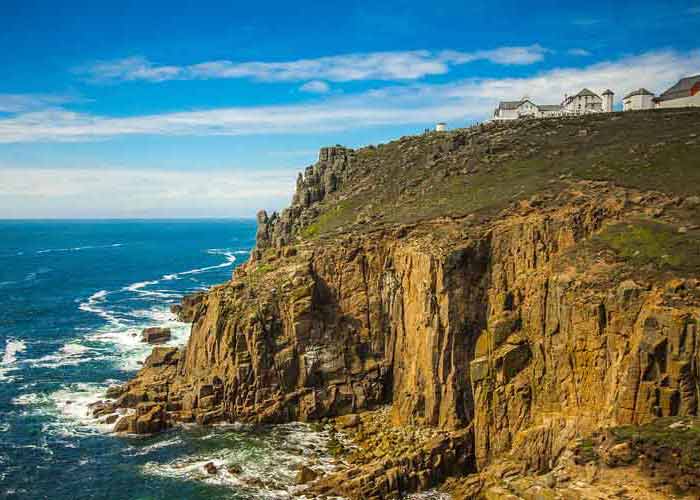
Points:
[(680, 89), (586, 92), (583, 93), (641, 91), (509, 104), (549, 107), (513, 104), (608, 92)]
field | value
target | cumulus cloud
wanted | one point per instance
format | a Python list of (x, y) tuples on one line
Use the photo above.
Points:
[(417, 104), (113, 192), (315, 87), (398, 65)]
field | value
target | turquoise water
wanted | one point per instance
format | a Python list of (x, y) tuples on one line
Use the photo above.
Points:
[(74, 295)]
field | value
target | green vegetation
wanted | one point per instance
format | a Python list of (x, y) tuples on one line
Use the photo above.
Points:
[(680, 434), (585, 452), (649, 242), (330, 219), (483, 169)]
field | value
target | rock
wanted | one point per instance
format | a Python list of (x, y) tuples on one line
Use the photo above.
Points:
[(188, 307), (155, 335), (306, 475), (619, 454), (360, 318), (234, 469), (210, 468), (682, 230), (111, 419), (114, 391), (691, 202), (348, 421), (162, 356)]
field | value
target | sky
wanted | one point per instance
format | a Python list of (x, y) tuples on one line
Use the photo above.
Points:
[(136, 109)]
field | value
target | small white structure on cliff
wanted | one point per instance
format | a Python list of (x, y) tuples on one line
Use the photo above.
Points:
[(637, 100), (685, 93), (441, 127)]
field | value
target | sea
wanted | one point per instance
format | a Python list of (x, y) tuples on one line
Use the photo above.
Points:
[(74, 297)]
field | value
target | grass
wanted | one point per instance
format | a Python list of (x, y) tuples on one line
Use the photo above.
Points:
[(662, 433), (644, 243), (482, 170)]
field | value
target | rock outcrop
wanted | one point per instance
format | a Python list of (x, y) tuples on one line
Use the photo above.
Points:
[(512, 329), (155, 335), (186, 310)]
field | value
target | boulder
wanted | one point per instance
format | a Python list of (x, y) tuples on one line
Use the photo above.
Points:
[(234, 469), (211, 468), (155, 335), (306, 475)]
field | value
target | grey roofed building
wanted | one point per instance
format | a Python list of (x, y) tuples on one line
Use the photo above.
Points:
[(641, 91), (513, 104), (549, 107), (608, 92), (583, 93), (586, 92), (683, 88), (509, 104)]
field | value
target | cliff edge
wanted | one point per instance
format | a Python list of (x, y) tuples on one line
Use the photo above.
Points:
[(512, 287)]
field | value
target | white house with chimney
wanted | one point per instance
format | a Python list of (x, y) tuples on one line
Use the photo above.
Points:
[(587, 101), (584, 102)]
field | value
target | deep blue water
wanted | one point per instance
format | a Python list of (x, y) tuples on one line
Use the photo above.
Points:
[(74, 295)]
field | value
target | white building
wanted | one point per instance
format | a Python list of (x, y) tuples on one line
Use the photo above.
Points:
[(525, 108), (512, 110), (638, 99), (683, 94), (440, 127), (582, 103)]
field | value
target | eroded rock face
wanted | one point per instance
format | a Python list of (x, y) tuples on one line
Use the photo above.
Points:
[(497, 328), (319, 180), (188, 307)]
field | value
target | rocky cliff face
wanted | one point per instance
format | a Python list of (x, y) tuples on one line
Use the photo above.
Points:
[(514, 329)]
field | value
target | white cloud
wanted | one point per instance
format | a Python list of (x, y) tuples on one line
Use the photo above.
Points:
[(315, 87), (399, 65), (17, 103), (578, 52), (112, 192), (416, 104)]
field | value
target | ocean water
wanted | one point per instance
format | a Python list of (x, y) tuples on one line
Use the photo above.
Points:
[(74, 297)]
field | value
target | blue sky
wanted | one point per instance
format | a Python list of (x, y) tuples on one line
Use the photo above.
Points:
[(209, 109)]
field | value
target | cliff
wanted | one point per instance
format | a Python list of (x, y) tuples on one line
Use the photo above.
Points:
[(513, 287)]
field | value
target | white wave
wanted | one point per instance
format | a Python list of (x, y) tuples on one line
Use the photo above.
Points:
[(92, 305), (8, 362), (267, 464), (77, 249), (70, 354), (145, 450)]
